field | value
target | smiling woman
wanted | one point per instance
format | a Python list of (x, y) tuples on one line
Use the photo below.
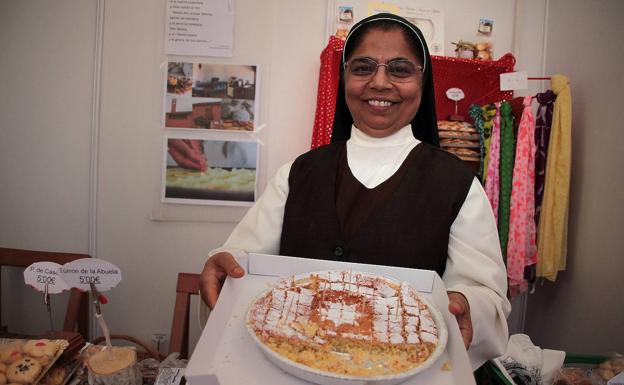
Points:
[(383, 192), (383, 101), (403, 42)]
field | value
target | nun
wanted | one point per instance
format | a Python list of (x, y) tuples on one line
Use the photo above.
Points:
[(383, 192)]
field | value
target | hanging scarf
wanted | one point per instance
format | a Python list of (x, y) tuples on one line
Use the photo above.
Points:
[(327, 92), (475, 113), (507, 148), (492, 180), (424, 124), (521, 249), (543, 121), (488, 112), (553, 226)]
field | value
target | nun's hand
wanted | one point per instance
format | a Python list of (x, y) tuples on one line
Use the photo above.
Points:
[(217, 268), (459, 307)]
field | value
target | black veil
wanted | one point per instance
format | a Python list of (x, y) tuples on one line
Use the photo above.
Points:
[(424, 124)]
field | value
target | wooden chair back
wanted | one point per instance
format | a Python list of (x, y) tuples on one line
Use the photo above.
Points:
[(77, 313), (188, 284)]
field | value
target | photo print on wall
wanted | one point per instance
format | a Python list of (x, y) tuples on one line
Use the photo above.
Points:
[(208, 171), (211, 96)]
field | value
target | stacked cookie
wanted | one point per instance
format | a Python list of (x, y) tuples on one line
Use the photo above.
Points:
[(24, 361), (461, 139)]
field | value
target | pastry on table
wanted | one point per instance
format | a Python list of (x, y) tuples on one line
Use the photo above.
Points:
[(455, 126), (11, 352), (347, 323), (116, 366), (40, 348), (3, 369), (54, 376), (24, 371)]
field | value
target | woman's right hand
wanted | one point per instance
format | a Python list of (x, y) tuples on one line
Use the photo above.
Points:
[(217, 268)]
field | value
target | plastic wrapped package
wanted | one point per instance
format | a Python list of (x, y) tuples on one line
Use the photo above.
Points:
[(574, 376), (590, 370), (611, 368)]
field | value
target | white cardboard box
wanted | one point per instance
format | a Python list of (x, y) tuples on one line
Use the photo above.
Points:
[(226, 354)]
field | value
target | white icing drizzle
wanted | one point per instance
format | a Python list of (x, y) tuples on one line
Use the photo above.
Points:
[(344, 299)]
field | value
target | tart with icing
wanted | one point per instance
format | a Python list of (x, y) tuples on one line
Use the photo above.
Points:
[(349, 324)]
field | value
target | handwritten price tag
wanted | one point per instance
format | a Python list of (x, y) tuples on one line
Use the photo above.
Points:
[(511, 81), (455, 94), (39, 274), (81, 273)]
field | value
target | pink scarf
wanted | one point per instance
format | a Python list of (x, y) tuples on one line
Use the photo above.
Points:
[(492, 182), (521, 249)]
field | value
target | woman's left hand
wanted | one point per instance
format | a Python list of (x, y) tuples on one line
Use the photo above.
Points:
[(459, 307)]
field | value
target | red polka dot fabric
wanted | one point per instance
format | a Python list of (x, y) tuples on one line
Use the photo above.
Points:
[(327, 92), (480, 81)]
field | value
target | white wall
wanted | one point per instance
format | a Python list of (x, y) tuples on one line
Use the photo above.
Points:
[(582, 311), (152, 252), (151, 242), (46, 78)]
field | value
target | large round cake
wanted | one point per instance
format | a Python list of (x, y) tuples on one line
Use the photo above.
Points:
[(347, 323)]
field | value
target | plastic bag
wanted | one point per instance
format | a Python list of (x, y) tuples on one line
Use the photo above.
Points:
[(573, 376)]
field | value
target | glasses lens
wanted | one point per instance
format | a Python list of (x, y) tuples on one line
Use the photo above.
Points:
[(362, 67), (402, 69)]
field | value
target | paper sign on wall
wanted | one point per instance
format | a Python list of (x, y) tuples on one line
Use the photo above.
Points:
[(200, 27), (380, 6), (39, 274), (81, 273), (511, 81)]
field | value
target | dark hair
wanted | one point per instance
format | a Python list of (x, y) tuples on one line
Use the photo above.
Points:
[(385, 25)]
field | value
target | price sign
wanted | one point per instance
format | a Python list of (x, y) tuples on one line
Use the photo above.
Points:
[(81, 273), (511, 81), (455, 94), (39, 274)]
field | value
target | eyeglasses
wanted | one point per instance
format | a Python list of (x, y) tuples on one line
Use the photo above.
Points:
[(398, 70)]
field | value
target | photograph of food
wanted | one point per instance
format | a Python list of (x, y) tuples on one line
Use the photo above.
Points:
[(204, 171), (348, 323)]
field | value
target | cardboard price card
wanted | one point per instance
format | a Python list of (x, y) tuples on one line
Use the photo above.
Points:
[(81, 273), (40, 274)]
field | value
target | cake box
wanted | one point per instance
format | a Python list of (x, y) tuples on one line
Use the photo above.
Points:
[(227, 354)]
